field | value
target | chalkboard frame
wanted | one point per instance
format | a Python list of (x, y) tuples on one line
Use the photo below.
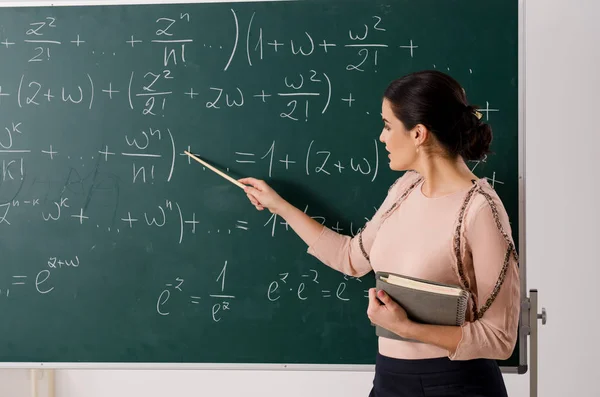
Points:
[(522, 366)]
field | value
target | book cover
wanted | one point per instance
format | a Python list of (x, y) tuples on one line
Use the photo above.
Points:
[(425, 301)]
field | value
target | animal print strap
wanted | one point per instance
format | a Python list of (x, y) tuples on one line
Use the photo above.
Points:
[(509, 251)]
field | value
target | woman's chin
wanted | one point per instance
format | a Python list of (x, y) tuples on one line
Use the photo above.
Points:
[(394, 166)]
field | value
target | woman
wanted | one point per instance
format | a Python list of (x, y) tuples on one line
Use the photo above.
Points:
[(438, 222)]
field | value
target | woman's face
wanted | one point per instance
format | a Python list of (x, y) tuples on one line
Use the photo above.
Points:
[(397, 139)]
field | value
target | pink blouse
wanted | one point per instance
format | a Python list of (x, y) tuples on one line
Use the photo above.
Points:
[(432, 238)]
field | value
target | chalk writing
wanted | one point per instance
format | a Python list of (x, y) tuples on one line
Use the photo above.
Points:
[(306, 288), (97, 194), (219, 301)]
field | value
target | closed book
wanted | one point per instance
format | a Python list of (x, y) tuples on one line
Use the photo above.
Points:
[(424, 301)]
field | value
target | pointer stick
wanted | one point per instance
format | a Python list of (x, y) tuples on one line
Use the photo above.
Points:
[(230, 179)]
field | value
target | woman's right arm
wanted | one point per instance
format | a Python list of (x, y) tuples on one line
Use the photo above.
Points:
[(338, 251), (262, 196), (343, 253)]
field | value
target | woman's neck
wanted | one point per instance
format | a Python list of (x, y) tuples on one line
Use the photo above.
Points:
[(444, 176)]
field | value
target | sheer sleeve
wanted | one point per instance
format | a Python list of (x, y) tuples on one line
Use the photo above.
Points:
[(350, 255), (493, 332)]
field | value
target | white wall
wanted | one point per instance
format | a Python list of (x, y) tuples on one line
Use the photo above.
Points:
[(563, 251)]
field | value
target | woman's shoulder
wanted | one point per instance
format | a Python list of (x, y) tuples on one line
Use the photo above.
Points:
[(487, 206), (404, 182)]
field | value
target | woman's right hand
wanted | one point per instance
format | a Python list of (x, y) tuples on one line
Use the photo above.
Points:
[(262, 196)]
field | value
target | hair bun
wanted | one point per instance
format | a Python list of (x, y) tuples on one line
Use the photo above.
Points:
[(438, 102), (476, 136)]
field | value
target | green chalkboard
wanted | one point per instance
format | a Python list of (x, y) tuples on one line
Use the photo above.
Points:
[(116, 248)]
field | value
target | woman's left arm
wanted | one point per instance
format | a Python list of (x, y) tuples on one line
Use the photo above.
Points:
[(494, 334)]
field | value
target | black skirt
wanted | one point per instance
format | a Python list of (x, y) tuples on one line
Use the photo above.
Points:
[(439, 377)]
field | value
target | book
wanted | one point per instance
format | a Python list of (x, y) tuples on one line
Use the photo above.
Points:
[(425, 301)]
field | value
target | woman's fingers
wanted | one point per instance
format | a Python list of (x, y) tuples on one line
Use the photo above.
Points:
[(246, 181), (255, 202), (251, 181), (252, 192), (252, 199), (260, 193), (258, 184)]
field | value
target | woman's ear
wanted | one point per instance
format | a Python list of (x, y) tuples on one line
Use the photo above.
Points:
[(420, 134)]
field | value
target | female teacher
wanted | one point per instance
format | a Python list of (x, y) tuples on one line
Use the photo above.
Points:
[(438, 222)]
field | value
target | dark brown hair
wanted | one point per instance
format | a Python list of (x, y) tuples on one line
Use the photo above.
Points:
[(437, 101)]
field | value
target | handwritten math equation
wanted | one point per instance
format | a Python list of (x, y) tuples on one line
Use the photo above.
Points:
[(363, 41), (310, 286), (169, 216), (149, 91), (151, 149), (42, 281), (145, 75), (219, 302)]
